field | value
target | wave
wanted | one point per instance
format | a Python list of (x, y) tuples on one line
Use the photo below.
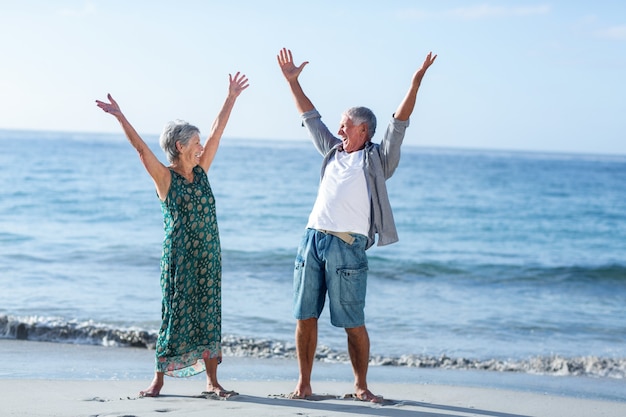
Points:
[(60, 331), (46, 329), (399, 269), (272, 264), (544, 365)]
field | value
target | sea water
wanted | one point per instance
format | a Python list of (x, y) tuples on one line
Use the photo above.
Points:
[(507, 261)]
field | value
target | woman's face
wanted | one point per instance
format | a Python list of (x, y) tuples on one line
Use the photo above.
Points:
[(192, 150)]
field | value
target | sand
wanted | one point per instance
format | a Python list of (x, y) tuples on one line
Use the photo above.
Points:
[(52, 379), (183, 397)]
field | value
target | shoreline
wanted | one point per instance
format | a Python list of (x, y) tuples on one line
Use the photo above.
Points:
[(89, 333), (44, 378)]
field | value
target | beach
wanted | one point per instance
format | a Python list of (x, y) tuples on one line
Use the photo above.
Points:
[(263, 398), (36, 381), (505, 295)]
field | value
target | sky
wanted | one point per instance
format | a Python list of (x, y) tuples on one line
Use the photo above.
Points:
[(510, 75)]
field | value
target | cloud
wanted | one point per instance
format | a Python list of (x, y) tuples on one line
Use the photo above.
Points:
[(487, 12), (614, 33), (477, 12), (87, 9)]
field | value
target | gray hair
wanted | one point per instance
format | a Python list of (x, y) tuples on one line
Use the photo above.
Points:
[(176, 131), (360, 115)]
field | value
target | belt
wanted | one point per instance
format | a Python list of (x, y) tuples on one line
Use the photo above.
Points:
[(345, 236)]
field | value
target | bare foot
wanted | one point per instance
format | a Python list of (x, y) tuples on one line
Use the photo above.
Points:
[(366, 395), (153, 390), (301, 392), (219, 391)]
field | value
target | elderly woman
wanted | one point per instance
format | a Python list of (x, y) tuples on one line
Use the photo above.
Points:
[(189, 340)]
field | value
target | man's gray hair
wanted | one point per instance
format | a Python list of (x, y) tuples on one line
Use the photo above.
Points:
[(176, 131), (360, 115)]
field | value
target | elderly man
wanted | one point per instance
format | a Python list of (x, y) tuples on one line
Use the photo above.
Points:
[(352, 206)]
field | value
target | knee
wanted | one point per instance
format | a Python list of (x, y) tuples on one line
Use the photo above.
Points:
[(357, 332), (307, 324)]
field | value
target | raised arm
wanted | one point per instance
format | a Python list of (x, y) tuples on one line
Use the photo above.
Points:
[(159, 172), (237, 84), (408, 103), (291, 73)]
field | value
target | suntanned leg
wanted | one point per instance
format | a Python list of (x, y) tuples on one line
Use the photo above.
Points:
[(306, 343), (155, 388), (359, 350), (211, 379)]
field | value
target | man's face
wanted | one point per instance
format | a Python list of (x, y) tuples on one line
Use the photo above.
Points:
[(353, 136)]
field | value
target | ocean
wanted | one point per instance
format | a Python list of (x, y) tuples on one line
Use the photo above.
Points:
[(507, 261)]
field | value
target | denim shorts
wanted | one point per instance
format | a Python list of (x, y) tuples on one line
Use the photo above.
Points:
[(327, 264)]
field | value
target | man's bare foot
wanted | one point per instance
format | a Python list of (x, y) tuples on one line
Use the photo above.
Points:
[(301, 392), (153, 390), (366, 395)]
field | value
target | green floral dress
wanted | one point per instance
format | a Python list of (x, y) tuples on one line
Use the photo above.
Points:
[(191, 275)]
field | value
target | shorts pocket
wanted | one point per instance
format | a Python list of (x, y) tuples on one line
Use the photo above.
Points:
[(298, 270), (353, 285)]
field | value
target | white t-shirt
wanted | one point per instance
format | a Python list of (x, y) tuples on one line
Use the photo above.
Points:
[(342, 203)]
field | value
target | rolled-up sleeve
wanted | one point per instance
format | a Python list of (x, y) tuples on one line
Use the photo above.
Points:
[(391, 144), (323, 140)]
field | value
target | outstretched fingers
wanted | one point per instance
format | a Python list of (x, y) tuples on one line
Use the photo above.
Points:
[(238, 83), (287, 66), (430, 58), (419, 74), (112, 107), (284, 56)]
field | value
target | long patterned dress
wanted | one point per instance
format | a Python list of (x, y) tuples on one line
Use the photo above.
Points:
[(191, 278)]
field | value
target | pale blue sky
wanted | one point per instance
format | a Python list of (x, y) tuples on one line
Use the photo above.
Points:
[(520, 75)]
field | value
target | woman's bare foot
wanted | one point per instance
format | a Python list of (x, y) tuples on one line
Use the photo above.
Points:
[(155, 387)]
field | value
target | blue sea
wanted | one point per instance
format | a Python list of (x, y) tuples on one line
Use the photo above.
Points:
[(507, 261)]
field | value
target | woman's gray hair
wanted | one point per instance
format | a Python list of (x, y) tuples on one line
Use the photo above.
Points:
[(360, 115), (176, 131)]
